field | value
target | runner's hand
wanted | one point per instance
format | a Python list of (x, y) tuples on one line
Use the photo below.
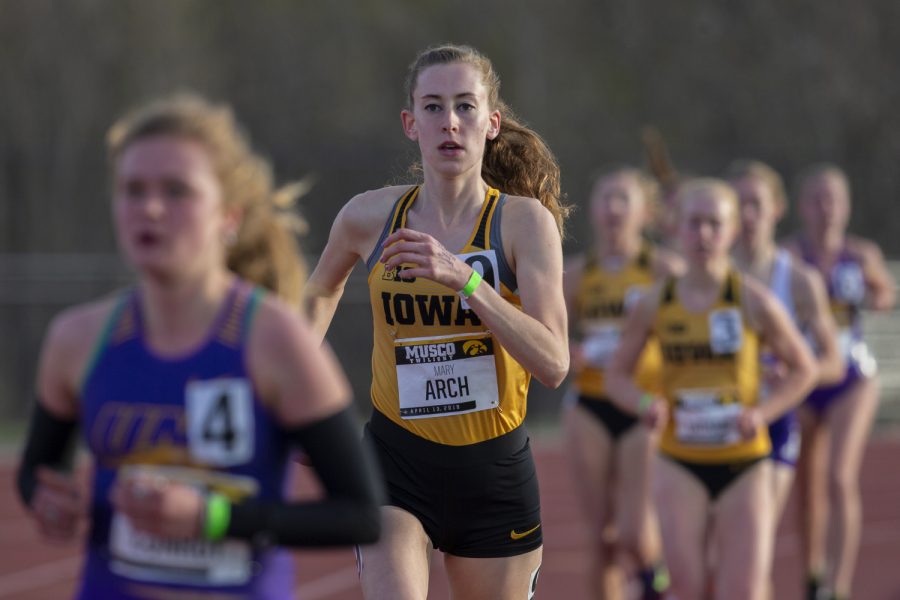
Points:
[(430, 259), (749, 422), (302, 458), (159, 506), (577, 360), (58, 505), (656, 415)]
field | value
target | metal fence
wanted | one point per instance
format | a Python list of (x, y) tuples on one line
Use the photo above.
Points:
[(35, 287)]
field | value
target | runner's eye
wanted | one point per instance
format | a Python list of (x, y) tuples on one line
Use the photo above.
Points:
[(133, 189), (176, 190)]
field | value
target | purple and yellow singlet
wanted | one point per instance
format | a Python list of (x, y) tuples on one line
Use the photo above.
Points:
[(195, 418)]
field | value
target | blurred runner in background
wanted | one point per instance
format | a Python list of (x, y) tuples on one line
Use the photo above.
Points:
[(763, 201), (192, 386), (714, 482), (836, 419), (612, 452)]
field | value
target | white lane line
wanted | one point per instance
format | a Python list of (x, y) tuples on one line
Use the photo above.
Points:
[(329, 585), (43, 575)]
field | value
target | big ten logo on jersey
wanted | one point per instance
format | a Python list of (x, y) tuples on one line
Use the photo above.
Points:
[(220, 421), (394, 274), (485, 263), (726, 331)]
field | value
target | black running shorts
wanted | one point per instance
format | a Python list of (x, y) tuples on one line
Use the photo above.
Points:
[(479, 501)]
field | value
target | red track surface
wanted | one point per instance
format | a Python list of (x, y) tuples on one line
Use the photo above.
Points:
[(34, 570)]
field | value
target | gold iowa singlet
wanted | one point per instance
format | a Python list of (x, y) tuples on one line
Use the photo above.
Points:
[(710, 371), (603, 297), (436, 369)]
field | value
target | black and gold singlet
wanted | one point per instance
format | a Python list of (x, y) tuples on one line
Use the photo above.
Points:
[(603, 298), (710, 372), (436, 369)]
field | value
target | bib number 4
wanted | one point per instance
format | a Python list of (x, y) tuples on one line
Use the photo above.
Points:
[(220, 421)]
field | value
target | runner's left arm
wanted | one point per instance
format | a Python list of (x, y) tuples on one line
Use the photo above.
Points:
[(780, 334), (305, 391), (880, 285)]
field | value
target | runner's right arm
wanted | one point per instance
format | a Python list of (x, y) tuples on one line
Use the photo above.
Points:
[(353, 236), (818, 322), (619, 375), (573, 269), (45, 484)]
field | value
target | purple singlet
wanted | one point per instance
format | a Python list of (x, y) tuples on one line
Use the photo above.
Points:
[(195, 418), (846, 291)]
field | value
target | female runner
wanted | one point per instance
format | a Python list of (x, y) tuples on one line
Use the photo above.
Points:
[(465, 280), (836, 418), (192, 386), (713, 483), (611, 452), (799, 288)]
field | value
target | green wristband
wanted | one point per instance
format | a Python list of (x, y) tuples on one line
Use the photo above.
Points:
[(218, 516), (645, 402), (471, 285)]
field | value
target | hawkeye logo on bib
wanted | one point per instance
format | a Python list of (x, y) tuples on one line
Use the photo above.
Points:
[(474, 348)]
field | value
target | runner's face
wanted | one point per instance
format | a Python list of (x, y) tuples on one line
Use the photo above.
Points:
[(167, 206), (451, 119), (708, 226), (825, 203), (618, 207), (759, 211)]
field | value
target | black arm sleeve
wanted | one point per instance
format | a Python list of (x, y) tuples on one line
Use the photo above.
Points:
[(50, 442), (349, 513)]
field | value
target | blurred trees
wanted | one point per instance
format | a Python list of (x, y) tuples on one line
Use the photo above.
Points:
[(320, 85)]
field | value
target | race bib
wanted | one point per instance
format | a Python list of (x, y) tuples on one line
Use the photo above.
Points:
[(220, 427), (600, 344), (703, 418), (449, 375), (726, 331), (141, 556), (791, 449), (856, 352), (848, 283), (633, 295), (846, 342), (485, 262)]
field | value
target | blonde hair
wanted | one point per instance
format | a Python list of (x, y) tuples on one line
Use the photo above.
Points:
[(648, 185), (517, 161), (759, 170), (265, 250), (710, 187)]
